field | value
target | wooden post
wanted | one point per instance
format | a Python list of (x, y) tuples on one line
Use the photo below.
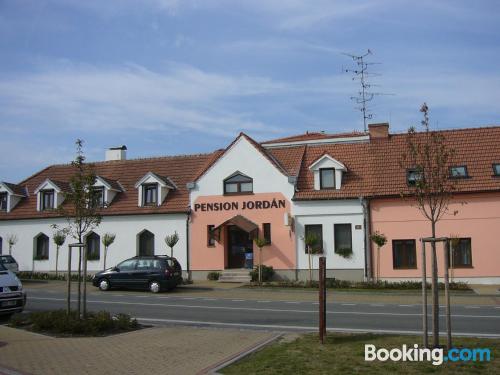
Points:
[(425, 336), (447, 292), (322, 299), (68, 302)]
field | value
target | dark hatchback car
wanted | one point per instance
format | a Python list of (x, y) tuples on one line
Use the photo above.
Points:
[(155, 273)]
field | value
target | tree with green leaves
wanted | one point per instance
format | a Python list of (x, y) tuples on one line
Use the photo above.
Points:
[(11, 240), (429, 157), (311, 240), (380, 240), (107, 241), (59, 237), (81, 213), (171, 240), (260, 242)]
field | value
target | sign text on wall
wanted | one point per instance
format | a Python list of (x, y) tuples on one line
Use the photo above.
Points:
[(245, 205)]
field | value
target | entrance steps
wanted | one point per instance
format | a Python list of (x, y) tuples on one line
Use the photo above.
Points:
[(235, 276)]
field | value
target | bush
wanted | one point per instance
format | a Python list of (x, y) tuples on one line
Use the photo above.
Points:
[(213, 275), (28, 275), (59, 322), (267, 273)]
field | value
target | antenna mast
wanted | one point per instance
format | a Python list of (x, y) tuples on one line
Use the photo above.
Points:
[(364, 95)]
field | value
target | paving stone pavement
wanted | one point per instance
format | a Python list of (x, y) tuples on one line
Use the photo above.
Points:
[(166, 350)]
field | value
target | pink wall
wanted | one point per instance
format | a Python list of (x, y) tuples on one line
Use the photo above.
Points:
[(478, 217), (280, 254)]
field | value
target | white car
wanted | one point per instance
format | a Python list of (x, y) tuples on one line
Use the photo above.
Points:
[(12, 295)]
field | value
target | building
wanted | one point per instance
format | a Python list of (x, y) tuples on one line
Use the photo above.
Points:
[(340, 187)]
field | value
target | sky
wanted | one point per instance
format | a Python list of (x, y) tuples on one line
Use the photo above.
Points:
[(167, 77)]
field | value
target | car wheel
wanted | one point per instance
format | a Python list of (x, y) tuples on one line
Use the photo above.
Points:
[(104, 285), (154, 286)]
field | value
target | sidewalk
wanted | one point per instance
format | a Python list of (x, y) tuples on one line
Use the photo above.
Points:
[(169, 350)]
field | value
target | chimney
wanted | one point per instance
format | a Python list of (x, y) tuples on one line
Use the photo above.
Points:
[(116, 153), (379, 131)]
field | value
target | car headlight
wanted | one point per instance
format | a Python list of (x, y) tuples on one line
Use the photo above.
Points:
[(19, 285)]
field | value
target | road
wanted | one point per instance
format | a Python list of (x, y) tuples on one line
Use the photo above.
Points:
[(272, 314)]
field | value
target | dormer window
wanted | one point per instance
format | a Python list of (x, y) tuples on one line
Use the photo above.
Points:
[(98, 196), (413, 175), (150, 194), (328, 173), (459, 171), (327, 178), (153, 189), (3, 201), (496, 169), (238, 183), (47, 200)]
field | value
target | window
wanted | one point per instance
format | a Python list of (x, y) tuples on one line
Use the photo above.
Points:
[(266, 228), (93, 243), (1, 245), (42, 247), (459, 172), (315, 230), (343, 238), (327, 178), (461, 254), (496, 169), (128, 265), (98, 197), (149, 194), (47, 199), (146, 243), (238, 184), (210, 235), (3, 201), (404, 254), (412, 176)]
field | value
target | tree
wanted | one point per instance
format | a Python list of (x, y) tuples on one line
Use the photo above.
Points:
[(260, 242), (81, 213), (429, 157), (107, 240), (380, 240), (11, 240), (171, 241), (310, 242), (59, 237)]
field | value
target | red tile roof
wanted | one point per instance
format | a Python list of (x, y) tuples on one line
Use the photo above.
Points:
[(312, 136), (179, 169)]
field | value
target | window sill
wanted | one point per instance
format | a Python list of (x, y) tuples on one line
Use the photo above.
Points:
[(404, 268), (243, 193), (459, 267)]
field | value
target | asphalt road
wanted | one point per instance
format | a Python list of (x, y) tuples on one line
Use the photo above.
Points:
[(281, 315)]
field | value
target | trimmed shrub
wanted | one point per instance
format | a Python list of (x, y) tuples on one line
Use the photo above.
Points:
[(213, 275), (28, 275), (267, 273)]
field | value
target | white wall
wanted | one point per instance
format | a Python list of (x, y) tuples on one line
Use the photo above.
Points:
[(125, 246), (328, 213), (243, 157)]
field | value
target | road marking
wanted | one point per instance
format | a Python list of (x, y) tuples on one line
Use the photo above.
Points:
[(263, 301), (406, 305), (348, 304), (376, 304), (472, 307), (264, 309), (190, 298), (294, 302), (238, 300), (315, 303), (309, 328), (141, 296)]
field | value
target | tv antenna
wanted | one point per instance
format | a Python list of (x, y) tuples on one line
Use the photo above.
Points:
[(364, 95)]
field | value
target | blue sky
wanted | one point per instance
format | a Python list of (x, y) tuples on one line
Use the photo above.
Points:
[(173, 77)]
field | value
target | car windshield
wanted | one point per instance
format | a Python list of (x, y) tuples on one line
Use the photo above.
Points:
[(2, 267), (7, 259)]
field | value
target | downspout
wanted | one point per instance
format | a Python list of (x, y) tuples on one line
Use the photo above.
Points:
[(188, 270), (368, 248)]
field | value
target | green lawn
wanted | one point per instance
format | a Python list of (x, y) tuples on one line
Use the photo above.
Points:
[(344, 354)]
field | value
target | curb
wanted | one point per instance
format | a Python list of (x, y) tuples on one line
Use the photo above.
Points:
[(212, 370)]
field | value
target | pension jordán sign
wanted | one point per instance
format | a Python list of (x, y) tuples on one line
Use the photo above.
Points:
[(245, 205)]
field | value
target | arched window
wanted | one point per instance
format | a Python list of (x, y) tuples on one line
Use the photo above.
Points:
[(238, 183), (41, 247), (146, 243), (93, 242)]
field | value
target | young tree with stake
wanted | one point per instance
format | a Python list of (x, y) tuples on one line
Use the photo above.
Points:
[(260, 242), (59, 237), (380, 240), (429, 157), (171, 241), (310, 242), (107, 241)]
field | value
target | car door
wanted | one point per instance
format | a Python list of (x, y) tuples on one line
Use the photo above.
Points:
[(140, 278), (123, 275)]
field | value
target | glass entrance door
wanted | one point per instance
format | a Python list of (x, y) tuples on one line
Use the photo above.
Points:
[(239, 243)]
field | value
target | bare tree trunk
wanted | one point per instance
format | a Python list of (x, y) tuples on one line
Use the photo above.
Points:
[(378, 263), (68, 302), (79, 304), (57, 260), (310, 267), (260, 266), (435, 292), (447, 293), (84, 282), (105, 254), (424, 298)]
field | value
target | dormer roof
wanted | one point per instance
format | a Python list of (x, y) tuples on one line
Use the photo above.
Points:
[(337, 164), (162, 180), (14, 189)]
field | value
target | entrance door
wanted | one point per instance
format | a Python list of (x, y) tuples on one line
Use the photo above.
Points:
[(238, 243)]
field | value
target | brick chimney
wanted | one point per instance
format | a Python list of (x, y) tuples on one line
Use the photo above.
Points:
[(116, 153), (379, 131)]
